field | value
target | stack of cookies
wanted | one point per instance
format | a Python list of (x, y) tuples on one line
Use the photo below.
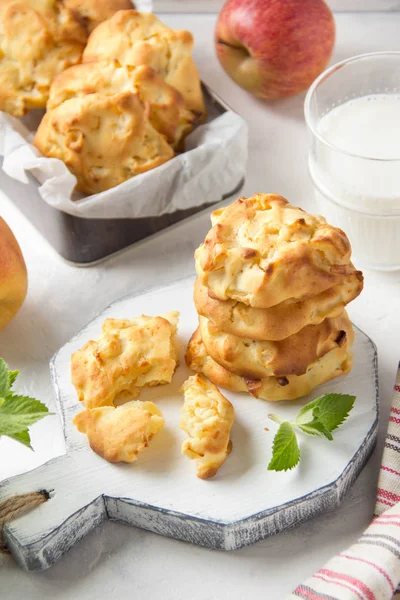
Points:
[(271, 290)]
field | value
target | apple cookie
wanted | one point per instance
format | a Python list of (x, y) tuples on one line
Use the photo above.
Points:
[(129, 355), (163, 105), (256, 359), (38, 40), (103, 140), (207, 417), (120, 434), (263, 251), (280, 321), (134, 38), (335, 363)]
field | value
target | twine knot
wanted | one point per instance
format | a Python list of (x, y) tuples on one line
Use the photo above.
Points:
[(16, 506)]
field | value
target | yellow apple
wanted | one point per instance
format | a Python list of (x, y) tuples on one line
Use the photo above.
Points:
[(13, 275)]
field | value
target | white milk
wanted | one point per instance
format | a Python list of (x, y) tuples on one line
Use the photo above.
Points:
[(368, 126), (357, 191)]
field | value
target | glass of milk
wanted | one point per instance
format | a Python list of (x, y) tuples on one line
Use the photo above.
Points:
[(353, 115)]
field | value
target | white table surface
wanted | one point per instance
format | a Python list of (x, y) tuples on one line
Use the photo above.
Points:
[(117, 561)]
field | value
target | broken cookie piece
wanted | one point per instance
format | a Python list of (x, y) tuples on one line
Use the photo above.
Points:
[(207, 417), (120, 434), (129, 355)]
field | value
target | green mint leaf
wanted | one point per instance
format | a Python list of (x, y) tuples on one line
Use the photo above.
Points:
[(319, 417), (331, 410), (13, 376), (316, 428), (285, 451), (17, 413), (23, 437), (4, 378)]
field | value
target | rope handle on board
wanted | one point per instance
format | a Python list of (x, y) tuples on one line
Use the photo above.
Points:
[(16, 506)]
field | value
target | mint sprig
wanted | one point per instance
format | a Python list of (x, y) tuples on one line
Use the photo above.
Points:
[(286, 452), (319, 417), (17, 412)]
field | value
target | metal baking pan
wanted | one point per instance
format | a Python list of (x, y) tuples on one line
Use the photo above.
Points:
[(83, 241)]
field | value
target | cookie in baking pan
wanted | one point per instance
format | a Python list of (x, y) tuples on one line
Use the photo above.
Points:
[(129, 355), (103, 140), (135, 38), (256, 359), (262, 251), (38, 40), (164, 105), (207, 417), (120, 434), (337, 362), (280, 321)]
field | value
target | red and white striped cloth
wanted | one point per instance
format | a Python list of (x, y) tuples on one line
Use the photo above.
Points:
[(370, 569)]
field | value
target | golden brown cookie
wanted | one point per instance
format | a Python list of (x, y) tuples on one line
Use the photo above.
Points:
[(103, 140), (280, 321), (129, 355), (262, 251), (255, 359), (207, 417), (120, 434), (164, 105), (93, 12), (134, 38), (337, 362), (38, 40)]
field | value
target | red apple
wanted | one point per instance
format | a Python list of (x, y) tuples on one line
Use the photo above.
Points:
[(13, 275), (274, 48)]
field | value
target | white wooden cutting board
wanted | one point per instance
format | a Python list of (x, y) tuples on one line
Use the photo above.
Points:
[(243, 504)]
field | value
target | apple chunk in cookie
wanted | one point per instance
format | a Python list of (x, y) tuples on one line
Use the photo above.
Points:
[(120, 434), (129, 355), (207, 417)]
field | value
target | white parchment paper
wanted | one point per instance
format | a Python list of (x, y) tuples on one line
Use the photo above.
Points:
[(212, 165)]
